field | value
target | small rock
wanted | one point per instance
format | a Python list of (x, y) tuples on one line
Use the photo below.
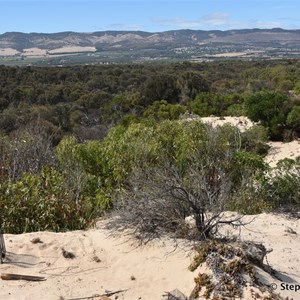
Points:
[(290, 230), (36, 240), (176, 295), (67, 254)]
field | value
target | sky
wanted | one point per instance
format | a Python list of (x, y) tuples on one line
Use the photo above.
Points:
[(152, 16)]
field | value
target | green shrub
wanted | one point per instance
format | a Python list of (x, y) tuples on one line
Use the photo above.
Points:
[(162, 110), (249, 170), (293, 119), (85, 170), (249, 201), (282, 188), (297, 88), (206, 104), (269, 108), (254, 140), (235, 110), (42, 202)]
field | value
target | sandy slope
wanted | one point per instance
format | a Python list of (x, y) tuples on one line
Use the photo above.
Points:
[(242, 123), (104, 262), (34, 52), (281, 150), (101, 263)]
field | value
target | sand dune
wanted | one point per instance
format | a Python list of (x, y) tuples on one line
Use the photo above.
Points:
[(103, 262), (242, 123), (281, 150)]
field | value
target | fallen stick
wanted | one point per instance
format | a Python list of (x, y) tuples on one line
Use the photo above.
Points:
[(10, 276), (108, 294), (85, 298)]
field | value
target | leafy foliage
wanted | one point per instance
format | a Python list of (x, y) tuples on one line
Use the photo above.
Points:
[(293, 119), (162, 110), (269, 108), (88, 100), (42, 202), (197, 169), (255, 140), (282, 189)]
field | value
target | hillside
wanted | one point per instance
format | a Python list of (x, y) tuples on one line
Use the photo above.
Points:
[(109, 46)]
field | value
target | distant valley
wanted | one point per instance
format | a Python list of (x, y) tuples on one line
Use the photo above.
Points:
[(67, 48)]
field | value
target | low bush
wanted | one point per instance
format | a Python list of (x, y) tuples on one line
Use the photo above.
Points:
[(42, 202), (255, 140), (271, 109), (282, 188)]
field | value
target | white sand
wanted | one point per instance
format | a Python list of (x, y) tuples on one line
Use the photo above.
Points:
[(281, 150), (275, 232), (242, 123), (156, 268), (230, 54)]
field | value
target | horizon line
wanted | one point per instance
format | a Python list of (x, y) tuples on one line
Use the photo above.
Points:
[(169, 30)]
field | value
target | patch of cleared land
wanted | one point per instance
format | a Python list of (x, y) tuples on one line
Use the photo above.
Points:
[(72, 49), (237, 54), (37, 52), (34, 52), (8, 52)]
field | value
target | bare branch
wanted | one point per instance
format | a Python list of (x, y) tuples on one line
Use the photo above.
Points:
[(159, 198)]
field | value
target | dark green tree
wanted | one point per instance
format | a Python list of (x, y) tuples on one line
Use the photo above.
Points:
[(270, 109)]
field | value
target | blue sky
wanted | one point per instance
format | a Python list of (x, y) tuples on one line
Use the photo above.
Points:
[(98, 15)]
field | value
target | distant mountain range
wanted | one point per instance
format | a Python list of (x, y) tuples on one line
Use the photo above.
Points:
[(190, 44)]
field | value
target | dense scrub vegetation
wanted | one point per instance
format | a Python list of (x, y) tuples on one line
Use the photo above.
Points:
[(76, 142), (88, 100)]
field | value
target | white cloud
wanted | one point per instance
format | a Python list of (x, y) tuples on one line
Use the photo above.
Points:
[(175, 22), (120, 26), (267, 24), (210, 21), (216, 19)]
